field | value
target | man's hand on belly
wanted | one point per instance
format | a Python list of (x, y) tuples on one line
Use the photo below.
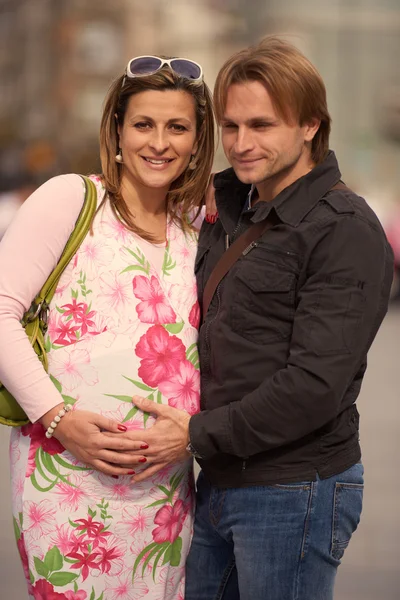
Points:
[(167, 439)]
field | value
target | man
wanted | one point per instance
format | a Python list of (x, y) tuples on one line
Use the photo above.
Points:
[(283, 345)]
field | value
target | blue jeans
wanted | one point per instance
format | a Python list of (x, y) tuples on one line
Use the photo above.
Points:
[(279, 542)]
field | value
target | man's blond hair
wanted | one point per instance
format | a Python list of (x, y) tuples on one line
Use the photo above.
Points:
[(294, 84)]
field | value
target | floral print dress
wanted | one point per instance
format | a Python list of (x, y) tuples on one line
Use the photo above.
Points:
[(118, 326)]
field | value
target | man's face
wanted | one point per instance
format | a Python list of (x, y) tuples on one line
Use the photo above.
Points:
[(261, 147)]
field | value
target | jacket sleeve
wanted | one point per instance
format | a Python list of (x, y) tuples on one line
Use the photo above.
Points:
[(341, 305)]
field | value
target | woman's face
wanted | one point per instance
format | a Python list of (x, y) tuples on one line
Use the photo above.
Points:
[(158, 137)]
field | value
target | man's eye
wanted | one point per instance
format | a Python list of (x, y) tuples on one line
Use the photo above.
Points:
[(229, 126), (261, 125)]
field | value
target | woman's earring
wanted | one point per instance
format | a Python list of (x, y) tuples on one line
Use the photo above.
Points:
[(118, 157), (192, 165)]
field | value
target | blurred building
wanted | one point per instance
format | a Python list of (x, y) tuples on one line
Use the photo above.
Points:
[(56, 62), (57, 58), (355, 44)]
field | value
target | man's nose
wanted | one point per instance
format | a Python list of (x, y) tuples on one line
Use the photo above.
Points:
[(244, 141)]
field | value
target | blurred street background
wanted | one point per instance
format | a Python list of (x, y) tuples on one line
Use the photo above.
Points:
[(57, 59)]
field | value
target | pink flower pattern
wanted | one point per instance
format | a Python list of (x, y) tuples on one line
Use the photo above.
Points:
[(73, 367), (38, 518), (154, 307), (74, 309), (161, 355), (111, 555), (65, 539), (79, 595), (115, 291), (116, 327), (194, 315), (36, 433), (182, 389), (43, 590), (63, 332), (120, 588), (134, 521), (71, 496), (170, 522), (92, 255), (24, 557), (85, 561)]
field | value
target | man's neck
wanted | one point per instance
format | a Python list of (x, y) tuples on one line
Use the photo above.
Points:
[(270, 188)]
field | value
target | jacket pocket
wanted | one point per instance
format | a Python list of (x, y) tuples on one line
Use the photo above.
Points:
[(263, 302), (346, 515)]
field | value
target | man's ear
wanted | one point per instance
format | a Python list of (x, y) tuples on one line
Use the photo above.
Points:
[(310, 129)]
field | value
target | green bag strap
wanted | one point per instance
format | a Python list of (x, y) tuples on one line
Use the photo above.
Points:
[(82, 225)]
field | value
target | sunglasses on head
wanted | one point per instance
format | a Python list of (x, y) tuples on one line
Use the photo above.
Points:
[(148, 65)]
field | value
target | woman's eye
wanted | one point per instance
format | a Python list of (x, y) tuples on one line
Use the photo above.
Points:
[(142, 125), (178, 128)]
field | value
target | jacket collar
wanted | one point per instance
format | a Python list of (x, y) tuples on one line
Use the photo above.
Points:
[(230, 196), (291, 205)]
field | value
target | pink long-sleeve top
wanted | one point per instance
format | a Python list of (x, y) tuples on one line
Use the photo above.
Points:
[(29, 252)]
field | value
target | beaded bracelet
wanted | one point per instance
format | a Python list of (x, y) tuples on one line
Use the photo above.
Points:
[(50, 430)]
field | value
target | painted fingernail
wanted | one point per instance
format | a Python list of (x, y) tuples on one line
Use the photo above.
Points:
[(214, 218), (131, 472), (122, 428), (208, 218), (143, 459), (144, 446), (114, 476)]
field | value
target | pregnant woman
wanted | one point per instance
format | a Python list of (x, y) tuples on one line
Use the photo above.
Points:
[(123, 321)]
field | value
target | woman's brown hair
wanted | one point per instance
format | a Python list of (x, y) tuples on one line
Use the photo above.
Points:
[(186, 193), (294, 84)]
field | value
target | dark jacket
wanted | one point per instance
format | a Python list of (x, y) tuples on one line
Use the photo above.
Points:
[(284, 344)]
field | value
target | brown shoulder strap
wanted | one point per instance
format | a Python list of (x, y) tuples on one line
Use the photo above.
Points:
[(241, 247)]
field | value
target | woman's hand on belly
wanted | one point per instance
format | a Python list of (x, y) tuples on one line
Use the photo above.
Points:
[(96, 441), (165, 442)]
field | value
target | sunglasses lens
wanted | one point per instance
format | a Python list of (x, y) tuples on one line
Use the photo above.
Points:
[(186, 68), (144, 65)]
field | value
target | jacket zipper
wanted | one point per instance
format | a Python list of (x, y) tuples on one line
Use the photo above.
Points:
[(276, 250), (227, 241), (249, 248)]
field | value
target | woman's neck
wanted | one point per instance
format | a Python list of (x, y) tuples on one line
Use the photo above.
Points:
[(142, 199), (148, 207)]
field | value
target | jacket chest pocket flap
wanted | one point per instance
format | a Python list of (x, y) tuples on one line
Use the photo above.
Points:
[(263, 302)]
